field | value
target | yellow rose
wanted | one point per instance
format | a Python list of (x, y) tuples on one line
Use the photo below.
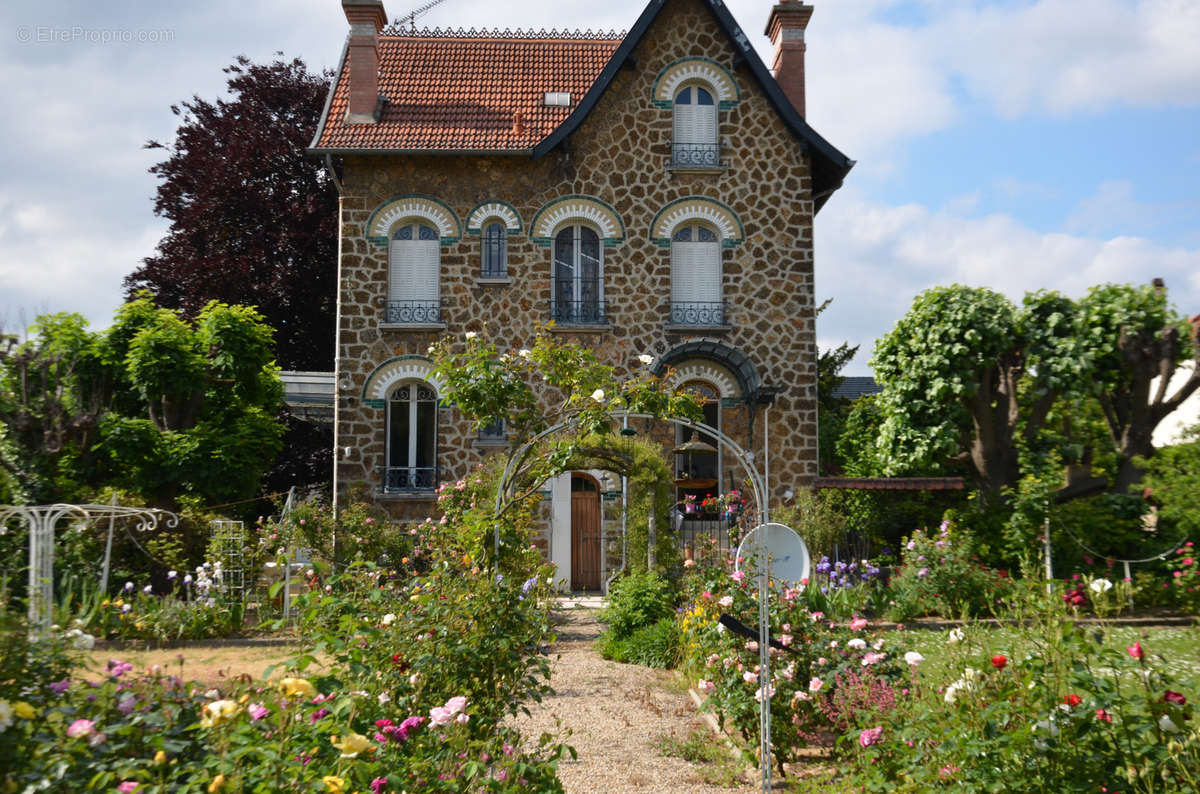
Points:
[(24, 710), (352, 744), (292, 687), (216, 784), (334, 785), (160, 758), (217, 712)]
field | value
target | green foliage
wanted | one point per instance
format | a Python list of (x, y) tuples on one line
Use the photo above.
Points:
[(815, 515), (656, 645), (638, 600), (938, 575), (932, 363), (1173, 475), (394, 646), (156, 404)]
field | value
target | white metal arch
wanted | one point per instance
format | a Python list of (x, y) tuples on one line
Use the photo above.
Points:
[(41, 521)]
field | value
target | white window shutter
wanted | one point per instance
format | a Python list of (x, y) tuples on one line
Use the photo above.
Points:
[(685, 124), (414, 274), (695, 272), (704, 124), (426, 270)]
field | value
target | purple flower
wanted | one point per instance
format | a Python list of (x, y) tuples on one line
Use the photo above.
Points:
[(377, 785), (257, 711), (125, 706), (871, 736), (921, 574), (60, 687), (318, 715)]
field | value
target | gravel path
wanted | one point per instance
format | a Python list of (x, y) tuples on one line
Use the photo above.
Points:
[(616, 712)]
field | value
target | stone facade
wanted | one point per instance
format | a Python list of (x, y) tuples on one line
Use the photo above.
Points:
[(618, 158)]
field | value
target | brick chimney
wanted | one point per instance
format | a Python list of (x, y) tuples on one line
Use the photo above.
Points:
[(785, 27), (366, 18)]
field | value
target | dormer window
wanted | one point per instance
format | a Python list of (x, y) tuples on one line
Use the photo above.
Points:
[(695, 142), (558, 99)]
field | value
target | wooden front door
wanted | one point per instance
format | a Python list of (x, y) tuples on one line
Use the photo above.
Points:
[(585, 533)]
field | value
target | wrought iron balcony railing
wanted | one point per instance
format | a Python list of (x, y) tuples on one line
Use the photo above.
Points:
[(408, 479), (414, 312), (692, 313), (590, 312), (697, 155)]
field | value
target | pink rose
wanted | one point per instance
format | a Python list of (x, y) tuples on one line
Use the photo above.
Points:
[(870, 736), (80, 728), (858, 624)]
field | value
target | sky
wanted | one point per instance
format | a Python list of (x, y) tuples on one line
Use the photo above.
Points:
[(1014, 144)]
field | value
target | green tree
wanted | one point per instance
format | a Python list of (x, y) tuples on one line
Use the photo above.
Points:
[(967, 375), (1173, 474), (156, 404), (1131, 336)]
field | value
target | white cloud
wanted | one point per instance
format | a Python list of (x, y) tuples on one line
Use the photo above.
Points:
[(1063, 56), (873, 259)]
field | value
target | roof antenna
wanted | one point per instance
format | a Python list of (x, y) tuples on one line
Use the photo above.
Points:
[(411, 16)]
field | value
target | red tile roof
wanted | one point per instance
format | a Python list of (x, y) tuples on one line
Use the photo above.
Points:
[(891, 483), (456, 92)]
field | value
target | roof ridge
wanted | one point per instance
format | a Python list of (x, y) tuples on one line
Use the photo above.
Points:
[(397, 29)]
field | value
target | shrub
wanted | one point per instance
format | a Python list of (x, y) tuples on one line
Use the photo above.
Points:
[(939, 576), (656, 645), (638, 600)]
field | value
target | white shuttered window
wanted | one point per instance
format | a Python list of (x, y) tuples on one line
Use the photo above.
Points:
[(415, 262), (696, 276), (695, 116)]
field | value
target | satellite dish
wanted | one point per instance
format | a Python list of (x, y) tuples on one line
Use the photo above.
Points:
[(788, 555)]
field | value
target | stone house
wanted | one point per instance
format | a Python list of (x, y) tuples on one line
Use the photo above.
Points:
[(652, 193)]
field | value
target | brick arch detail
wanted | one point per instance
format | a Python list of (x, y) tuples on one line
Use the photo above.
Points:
[(577, 208), (437, 213), (697, 208), (501, 210), (389, 373), (720, 378), (695, 70)]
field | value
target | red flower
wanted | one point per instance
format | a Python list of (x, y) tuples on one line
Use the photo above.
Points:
[(1175, 697), (999, 661), (1072, 700), (1135, 650)]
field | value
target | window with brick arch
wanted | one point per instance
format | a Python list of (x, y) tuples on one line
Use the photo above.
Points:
[(578, 277), (696, 297), (495, 251), (695, 128), (414, 267), (412, 438)]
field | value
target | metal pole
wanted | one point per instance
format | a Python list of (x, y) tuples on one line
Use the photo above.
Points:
[(1129, 579), (112, 517), (1046, 554), (764, 660), (291, 555)]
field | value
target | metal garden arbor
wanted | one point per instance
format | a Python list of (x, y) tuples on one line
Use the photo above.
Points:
[(758, 486), (41, 521)]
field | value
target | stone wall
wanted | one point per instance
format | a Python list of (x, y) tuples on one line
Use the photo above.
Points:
[(620, 155)]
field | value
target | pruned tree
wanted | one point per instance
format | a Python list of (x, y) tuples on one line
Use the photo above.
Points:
[(967, 376), (1132, 336), (252, 222)]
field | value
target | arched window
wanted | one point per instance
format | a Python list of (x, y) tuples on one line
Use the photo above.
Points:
[(495, 251), (413, 275), (412, 438), (695, 128), (696, 276), (578, 277)]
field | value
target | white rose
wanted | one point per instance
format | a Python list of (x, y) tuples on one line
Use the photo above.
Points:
[(912, 657), (471, 334), (598, 395), (1101, 586), (645, 359)]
